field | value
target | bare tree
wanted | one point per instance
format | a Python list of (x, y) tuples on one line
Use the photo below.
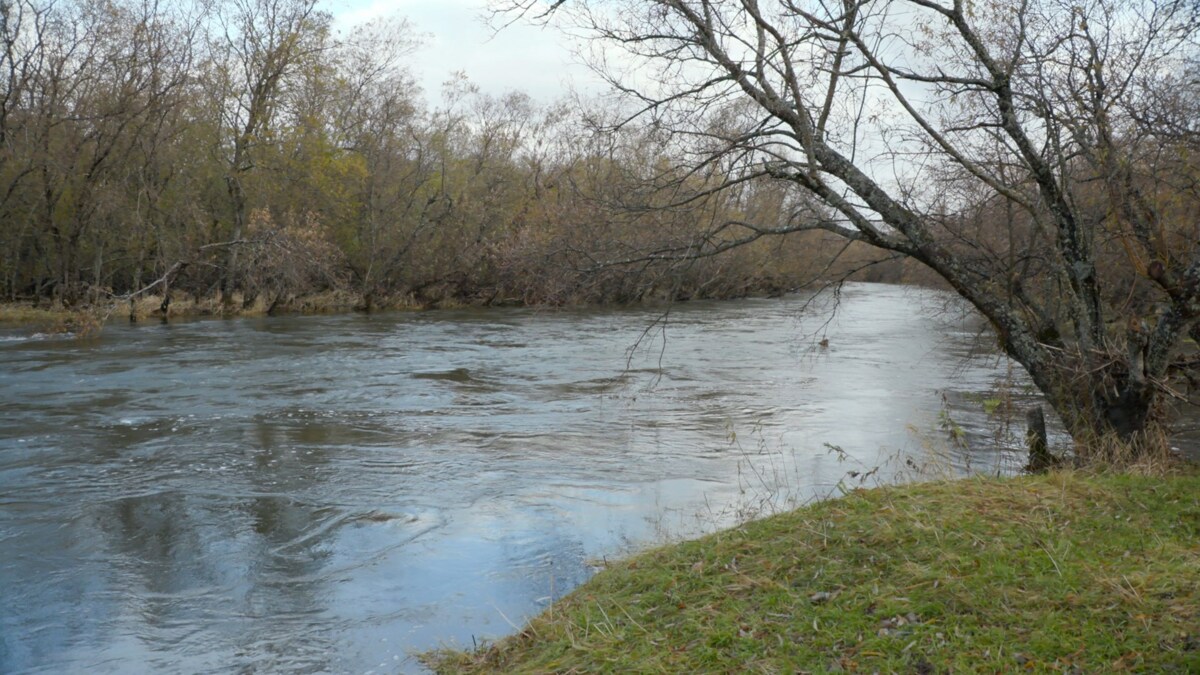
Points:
[(1039, 156), (262, 45), (85, 87), (23, 37)]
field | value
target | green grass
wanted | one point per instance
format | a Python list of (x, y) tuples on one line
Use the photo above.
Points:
[(1060, 573)]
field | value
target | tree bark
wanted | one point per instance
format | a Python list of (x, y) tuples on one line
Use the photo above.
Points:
[(1040, 459)]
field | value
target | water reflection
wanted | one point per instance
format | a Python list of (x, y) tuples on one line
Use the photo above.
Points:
[(328, 494)]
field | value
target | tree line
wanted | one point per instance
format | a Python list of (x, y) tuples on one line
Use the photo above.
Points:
[(243, 154)]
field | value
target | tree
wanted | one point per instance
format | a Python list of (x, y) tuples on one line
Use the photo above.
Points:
[(264, 44), (1039, 157), (24, 30), (87, 87)]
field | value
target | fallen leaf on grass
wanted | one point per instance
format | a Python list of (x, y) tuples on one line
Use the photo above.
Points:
[(818, 598)]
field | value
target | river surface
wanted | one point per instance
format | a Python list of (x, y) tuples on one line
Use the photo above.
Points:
[(335, 493)]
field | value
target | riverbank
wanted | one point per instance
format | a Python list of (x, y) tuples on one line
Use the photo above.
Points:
[(49, 318), (150, 307), (1066, 572)]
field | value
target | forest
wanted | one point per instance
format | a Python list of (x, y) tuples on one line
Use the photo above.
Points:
[(242, 157)]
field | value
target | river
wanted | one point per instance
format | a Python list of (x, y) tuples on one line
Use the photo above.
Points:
[(333, 493)]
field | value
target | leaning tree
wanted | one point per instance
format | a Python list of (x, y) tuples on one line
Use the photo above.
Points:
[(1042, 157)]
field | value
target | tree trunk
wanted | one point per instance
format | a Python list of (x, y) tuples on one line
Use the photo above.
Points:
[(237, 197), (1040, 458)]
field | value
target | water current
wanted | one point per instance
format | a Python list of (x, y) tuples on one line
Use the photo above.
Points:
[(335, 493)]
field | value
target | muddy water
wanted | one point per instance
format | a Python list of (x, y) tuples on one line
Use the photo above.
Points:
[(331, 494)]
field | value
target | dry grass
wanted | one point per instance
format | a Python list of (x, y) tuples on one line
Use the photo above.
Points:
[(86, 320), (1148, 453), (28, 314)]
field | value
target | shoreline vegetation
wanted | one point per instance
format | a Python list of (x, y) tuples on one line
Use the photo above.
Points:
[(1061, 572), (245, 158), (50, 317), (85, 319), (150, 307)]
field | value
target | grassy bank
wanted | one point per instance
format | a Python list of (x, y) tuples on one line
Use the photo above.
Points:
[(1066, 572)]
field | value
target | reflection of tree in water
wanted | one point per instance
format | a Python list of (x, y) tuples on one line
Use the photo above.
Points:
[(289, 550), (244, 557), (160, 540)]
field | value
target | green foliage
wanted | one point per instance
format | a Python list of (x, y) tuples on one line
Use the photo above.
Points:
[(991, 405), (955, 432)]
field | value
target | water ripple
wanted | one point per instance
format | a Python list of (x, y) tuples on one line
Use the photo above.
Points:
[(326, 494)]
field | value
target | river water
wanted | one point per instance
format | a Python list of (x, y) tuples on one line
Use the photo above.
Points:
[(334, 493)]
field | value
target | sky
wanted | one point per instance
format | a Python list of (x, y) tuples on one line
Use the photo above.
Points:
[(456, 37)]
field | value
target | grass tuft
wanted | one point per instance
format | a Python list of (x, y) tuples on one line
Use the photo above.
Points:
[(1070, 572), (29, 314)]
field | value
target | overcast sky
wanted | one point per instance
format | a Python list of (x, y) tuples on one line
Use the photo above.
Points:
[(535, 60)]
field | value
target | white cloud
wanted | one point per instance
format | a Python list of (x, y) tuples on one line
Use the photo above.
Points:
[(535, 60)]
